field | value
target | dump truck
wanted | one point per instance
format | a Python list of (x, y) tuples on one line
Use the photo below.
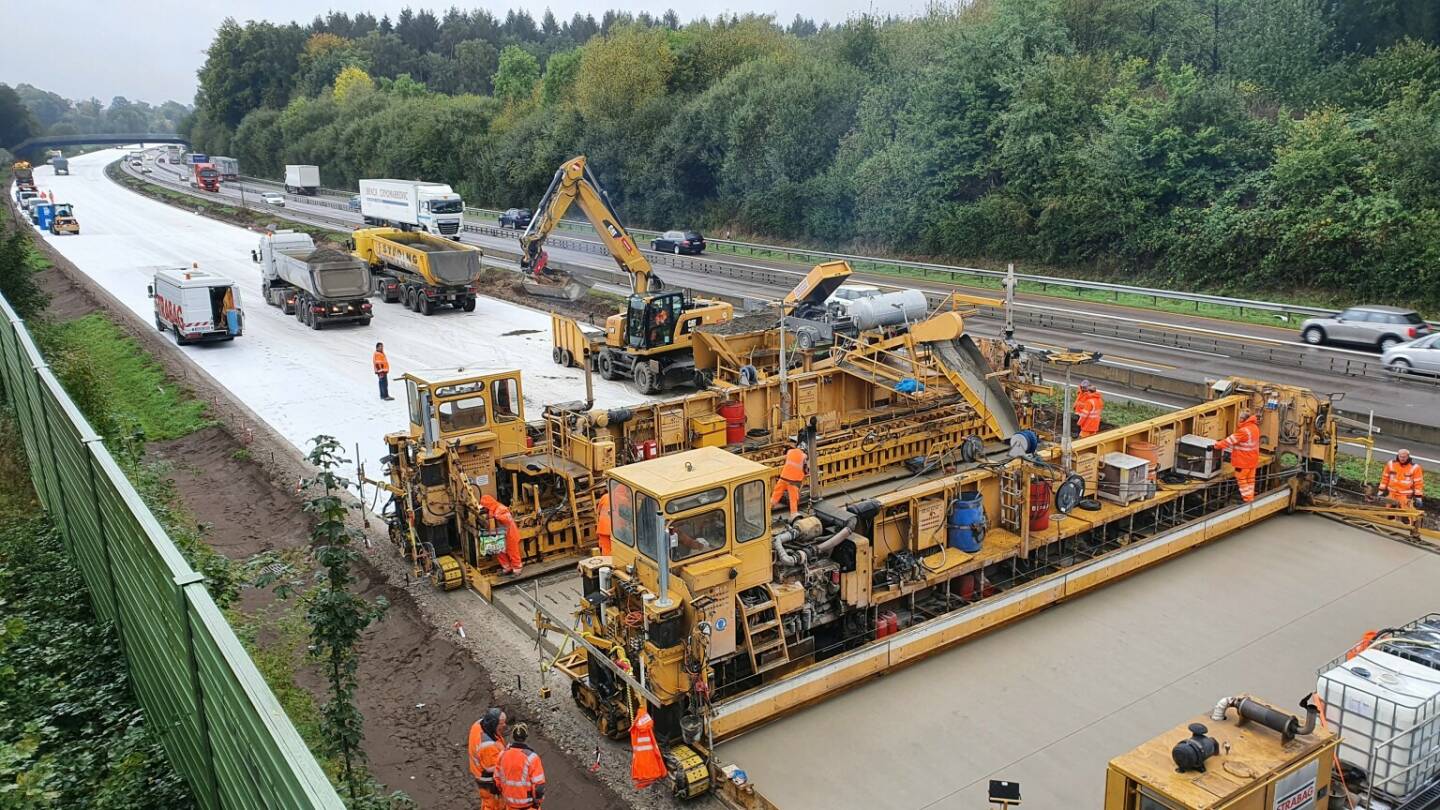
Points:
[(202, 176), (412, 205), (197, 306), (228, 167), (302, 179), (420, 270), (61, 165), (62, 220), (24, 175), (318, 286)]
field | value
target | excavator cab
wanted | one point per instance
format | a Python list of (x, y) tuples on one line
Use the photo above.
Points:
[(650, 323)]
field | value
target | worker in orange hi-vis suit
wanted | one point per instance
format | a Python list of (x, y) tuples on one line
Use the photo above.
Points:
[(602, 523), (1404, 481), (1089, 405), (791, 475), (1244, 447), (510, 560), (519, 774), (647, 764), (487, 741)]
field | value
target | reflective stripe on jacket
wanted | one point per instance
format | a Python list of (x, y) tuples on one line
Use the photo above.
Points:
[(1243, 444), (1403, 479), (647, 764), (794, 469), (520, 776), (1089, 406), (382, 365)]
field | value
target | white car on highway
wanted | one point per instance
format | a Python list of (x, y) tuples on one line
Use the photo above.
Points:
[(1416, 356), (273, 198), (839, 302)]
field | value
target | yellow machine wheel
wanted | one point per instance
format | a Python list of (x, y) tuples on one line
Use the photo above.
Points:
[(446, 574), (689, 775)]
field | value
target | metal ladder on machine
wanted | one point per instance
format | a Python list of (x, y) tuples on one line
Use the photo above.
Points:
[(1012, 497), (764, 635)]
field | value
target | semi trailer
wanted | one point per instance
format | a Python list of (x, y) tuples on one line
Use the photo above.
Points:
[(319, 287), (412, 205), (421, 270), (228, 167), (302, 179)]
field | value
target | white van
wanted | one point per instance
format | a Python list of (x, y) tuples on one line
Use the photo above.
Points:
[(197, 306)]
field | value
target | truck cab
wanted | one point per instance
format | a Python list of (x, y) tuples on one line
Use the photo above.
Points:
[(442, 211)]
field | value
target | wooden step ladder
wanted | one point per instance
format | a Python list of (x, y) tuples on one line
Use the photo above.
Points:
[(764, 634)]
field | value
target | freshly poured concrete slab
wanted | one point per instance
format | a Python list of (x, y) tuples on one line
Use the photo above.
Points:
[(1047, 701)]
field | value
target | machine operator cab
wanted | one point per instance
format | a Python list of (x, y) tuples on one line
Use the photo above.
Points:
[(483, 408), (704, 516), (660, 322)]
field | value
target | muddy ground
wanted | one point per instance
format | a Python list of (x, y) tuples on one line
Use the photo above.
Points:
[(420, 687)]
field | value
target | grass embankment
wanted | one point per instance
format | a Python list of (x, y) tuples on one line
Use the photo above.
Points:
[(71, 731)]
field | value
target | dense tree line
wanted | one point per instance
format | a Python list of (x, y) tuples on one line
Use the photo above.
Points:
[(26, 111), (1238, 145)]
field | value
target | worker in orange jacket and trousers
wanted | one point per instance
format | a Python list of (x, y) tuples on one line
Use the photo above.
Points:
[(602, 524), (510, 560), (1244, 447), (1089, 405), (519, 774), (791, 475), (1404, 481), (382, 370), (487, 742)]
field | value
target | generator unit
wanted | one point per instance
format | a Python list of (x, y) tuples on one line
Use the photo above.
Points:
[(1124, 478), (1196, 457)]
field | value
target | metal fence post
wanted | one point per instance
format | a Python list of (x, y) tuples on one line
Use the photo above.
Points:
[(197, 687), (109, 563)]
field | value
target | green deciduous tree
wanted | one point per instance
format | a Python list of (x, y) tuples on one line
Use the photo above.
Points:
[(516, 75)]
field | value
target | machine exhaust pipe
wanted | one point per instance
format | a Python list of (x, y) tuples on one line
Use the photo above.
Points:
[(1251, 710)]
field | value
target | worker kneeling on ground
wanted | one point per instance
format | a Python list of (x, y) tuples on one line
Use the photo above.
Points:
[(1244, 447), (788, 484), (1089, 406), (509, 559), (519, 773), (487, 741), (1404, 481)]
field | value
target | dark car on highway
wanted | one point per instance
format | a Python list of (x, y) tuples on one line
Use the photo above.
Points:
[(679, 242), (516, 218)]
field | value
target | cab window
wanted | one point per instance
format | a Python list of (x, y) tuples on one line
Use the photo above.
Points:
[(462, 414), (412, 397), (695, 501), (750, 511), (647, 526), (622, 513), (505, 398), (697, 534)]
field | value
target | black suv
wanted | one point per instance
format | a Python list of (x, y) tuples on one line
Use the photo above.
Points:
[(516, 218), (679, 242)]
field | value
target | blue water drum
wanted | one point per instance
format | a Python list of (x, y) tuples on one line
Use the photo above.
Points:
[(966, 530)]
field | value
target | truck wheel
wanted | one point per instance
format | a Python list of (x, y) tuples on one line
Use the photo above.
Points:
[(427, 307), (159, 324), (469, 305), (567, 359), (364, 321), (557, 356)]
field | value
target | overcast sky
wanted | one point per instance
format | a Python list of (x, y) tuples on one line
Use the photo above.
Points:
[(107, 48)]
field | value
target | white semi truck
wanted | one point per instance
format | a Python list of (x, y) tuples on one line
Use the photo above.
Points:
[(412, 205), (197, 306), (228, 167), (318, 287), (302, 179)]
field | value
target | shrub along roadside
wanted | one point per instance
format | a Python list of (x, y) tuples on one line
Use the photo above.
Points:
[(71, 733)]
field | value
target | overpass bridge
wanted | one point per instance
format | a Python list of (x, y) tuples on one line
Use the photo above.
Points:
[(39, 142)]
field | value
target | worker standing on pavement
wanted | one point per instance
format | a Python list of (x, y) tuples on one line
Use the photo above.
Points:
[(519, 773), (1404, 481), (602, 523), (1089, 405), (791, 475), (1244, 447), (487, 741), (647, 764), (382, 370), (510, 559)]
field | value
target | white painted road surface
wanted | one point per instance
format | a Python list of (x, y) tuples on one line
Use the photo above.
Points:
[(300, 381)]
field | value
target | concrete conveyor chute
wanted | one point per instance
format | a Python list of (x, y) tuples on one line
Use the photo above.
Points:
[(966, 368)]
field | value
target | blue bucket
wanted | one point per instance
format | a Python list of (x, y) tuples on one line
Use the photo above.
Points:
[(966, 530)]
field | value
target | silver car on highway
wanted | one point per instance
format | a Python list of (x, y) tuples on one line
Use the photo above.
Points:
[(1381, 327), (1417, 356)]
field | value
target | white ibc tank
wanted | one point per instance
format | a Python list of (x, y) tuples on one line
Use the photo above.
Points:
[(889, 309), (1374, 697)]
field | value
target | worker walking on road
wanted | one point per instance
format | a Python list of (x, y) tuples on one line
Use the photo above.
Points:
[(791, 475), (1089, 405), (487, 741), (1404, 481), (510, 560), (519, 773), (602, 523), (382, 370), (1244, 447)]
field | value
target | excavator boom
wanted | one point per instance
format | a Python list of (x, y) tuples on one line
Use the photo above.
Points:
[(574, 182)]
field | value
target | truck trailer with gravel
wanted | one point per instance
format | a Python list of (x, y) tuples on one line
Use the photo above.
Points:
[(318, 286)]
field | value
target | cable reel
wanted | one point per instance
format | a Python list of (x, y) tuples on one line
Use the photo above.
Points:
[(1069, 494)]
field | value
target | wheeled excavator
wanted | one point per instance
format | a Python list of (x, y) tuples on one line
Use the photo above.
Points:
[(650, 342)]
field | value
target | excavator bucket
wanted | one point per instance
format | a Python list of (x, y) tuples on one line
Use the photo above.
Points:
[(565, 287)]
